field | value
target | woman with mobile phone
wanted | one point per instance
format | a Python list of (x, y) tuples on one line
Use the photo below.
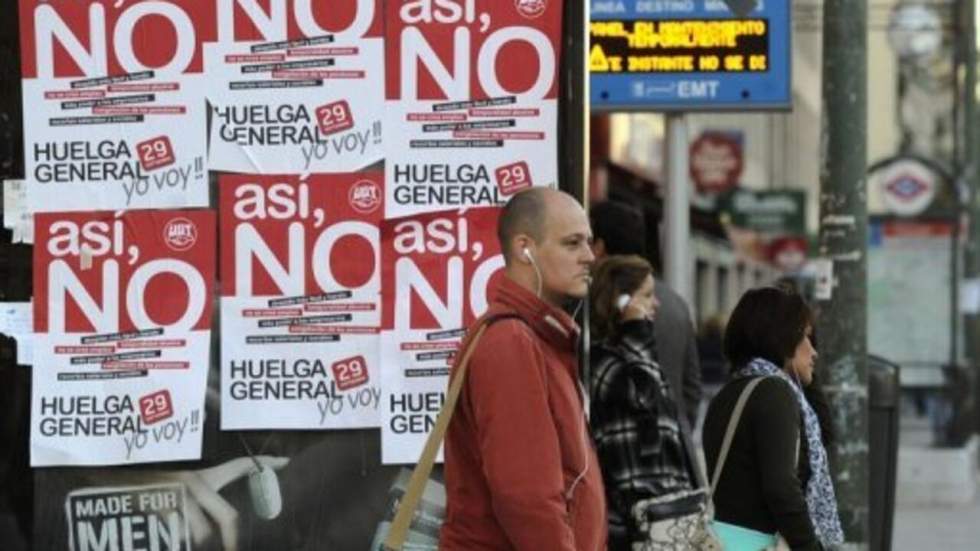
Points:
[(643, 449)]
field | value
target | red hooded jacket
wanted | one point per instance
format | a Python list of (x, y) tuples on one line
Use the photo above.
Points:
[(521, 471)]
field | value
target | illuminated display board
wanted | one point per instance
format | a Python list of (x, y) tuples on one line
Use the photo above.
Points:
[(689, 55)]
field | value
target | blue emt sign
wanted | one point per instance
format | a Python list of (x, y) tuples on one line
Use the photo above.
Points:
[(689, 55)]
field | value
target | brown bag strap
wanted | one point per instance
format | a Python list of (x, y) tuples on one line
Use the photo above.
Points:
[(413, 493)]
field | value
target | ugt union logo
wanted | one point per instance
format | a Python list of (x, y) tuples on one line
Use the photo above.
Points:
[(531, 8), (365, 196), (180, 234)]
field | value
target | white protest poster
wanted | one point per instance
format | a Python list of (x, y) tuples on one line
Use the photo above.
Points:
[(122, 323), (437, 269), (300, 304), (297, 87), (114, 93), (471, 101)]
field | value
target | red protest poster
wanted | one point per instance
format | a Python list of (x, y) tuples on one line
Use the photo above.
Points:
[(297, 86), (301, 282), (116, 92), (122, 320), (438, 274), (471, 101)]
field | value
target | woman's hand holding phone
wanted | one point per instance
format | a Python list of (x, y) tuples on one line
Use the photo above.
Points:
[(631, 308)]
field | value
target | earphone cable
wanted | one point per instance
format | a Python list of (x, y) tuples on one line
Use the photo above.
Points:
[(537, 273)]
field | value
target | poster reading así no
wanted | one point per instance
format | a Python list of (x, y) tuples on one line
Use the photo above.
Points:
[(471, 101), (300, 304), (122, 321), (439, 274)]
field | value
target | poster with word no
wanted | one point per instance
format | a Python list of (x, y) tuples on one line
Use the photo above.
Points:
[(122, 322), (300, 311), (438, 269), (471, 102), (115, 94), (297, 89)]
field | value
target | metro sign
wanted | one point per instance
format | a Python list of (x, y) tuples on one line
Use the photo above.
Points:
[(906, 187)]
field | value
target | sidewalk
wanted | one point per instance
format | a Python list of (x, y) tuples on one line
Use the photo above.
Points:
[(937, 528), (932, 527)]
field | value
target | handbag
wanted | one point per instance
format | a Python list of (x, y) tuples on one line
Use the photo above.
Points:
[(418, 530), (739, 538), (679, 521), (731, 536), (684, 521)]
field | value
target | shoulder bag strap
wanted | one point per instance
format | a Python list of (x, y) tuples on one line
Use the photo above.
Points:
[(730, 431), (413, 493)]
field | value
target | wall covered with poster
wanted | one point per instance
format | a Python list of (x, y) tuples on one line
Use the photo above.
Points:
[(261, 229)]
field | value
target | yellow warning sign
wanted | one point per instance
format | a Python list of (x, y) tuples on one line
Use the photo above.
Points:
[(597, 60)]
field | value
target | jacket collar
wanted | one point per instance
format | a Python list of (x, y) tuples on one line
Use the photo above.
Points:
[(550, 323)]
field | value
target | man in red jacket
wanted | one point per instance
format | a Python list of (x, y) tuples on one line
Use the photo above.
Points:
[(521, 472)]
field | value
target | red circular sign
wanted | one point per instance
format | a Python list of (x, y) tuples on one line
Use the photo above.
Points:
[(788, 253), (715, 162)]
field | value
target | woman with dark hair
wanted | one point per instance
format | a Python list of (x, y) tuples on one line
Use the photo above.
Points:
[(638, 434), (776, 477)]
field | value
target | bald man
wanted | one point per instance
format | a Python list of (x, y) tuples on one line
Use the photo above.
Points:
[(521, 473)]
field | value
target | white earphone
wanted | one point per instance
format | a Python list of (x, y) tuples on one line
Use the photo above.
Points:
[(527, 255), (622, 301), (530, 258)]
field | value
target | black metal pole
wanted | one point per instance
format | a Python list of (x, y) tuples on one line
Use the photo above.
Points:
[(573, 103), (968, 176)]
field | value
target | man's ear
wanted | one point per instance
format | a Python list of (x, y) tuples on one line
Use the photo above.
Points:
[(521, 248)]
